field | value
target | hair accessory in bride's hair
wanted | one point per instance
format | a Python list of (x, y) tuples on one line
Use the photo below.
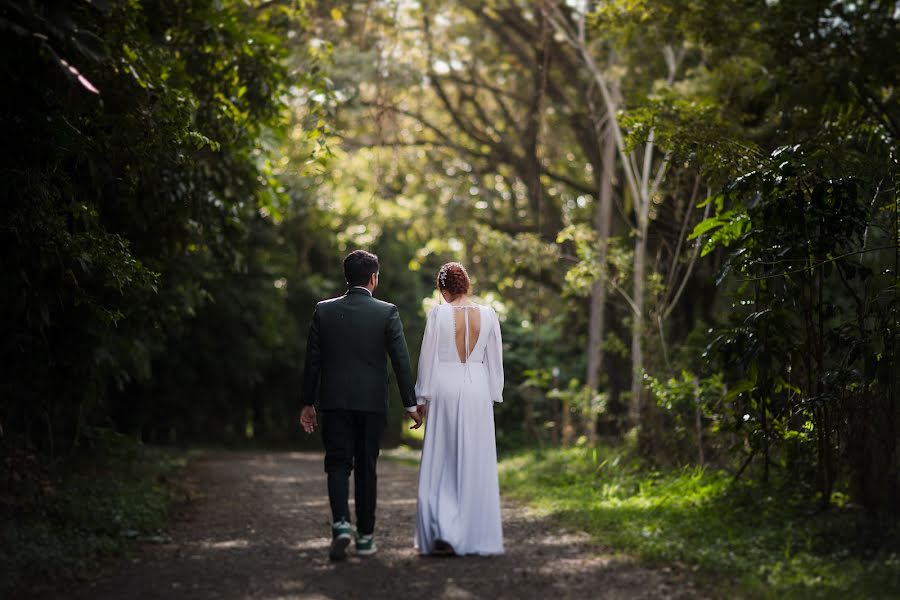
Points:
[(452, 277)]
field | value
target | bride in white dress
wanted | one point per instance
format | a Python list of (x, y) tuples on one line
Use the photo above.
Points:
[(460, 377)]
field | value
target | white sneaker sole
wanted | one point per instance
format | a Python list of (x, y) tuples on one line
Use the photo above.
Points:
[(368, 552)]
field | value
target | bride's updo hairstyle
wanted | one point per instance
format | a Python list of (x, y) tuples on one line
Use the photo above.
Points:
[(453, 278)]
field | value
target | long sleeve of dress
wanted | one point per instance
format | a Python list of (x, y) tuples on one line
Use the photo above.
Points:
[(493, 359), (428, 360)]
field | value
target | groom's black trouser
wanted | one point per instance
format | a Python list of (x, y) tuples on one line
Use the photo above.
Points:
[(352, 439)]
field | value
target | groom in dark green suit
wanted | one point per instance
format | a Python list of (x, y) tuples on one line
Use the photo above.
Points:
[(349, 340)]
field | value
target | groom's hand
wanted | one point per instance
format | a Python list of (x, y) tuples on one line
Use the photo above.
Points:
[(308, 418), (415, 416)]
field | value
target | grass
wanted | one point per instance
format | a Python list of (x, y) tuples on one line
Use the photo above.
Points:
[(743, 541), (60, 521), (404, 454)]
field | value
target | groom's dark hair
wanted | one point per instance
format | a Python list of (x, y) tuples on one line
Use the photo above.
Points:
[(359, 266)]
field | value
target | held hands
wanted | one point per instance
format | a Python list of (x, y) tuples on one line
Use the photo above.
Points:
[(308, 418), (418, 416)]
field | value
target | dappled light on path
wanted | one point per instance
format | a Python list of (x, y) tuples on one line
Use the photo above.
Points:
[(259, 528)]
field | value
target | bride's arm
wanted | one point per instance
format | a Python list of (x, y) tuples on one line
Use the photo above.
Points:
[(494, 359), (428, 357)]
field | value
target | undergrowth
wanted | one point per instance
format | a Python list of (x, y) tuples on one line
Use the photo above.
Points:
[(744, 539), (61, 518)]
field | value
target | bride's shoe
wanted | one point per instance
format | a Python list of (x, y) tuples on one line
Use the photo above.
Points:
[(442, 548)]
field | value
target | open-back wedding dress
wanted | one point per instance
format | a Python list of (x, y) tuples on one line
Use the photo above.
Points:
[(460, 377)]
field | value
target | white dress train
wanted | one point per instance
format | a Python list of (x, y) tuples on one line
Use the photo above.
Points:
[(459, 494)]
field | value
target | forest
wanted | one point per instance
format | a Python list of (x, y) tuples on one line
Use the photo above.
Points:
[(685, 213)]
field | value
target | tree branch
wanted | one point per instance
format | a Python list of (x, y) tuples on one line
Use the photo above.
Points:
[(687, 275)]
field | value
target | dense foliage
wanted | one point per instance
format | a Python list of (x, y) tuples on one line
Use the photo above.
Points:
[(134, 171), (810, 232), (686, 214), (686, 211)]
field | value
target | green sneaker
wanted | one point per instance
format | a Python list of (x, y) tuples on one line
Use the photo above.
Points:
[(341, 534), (365, 545)]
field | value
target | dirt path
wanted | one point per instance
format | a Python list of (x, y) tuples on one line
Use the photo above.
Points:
[(259, 529)]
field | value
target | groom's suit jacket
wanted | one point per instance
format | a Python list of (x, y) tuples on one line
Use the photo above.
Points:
[(350, 338)]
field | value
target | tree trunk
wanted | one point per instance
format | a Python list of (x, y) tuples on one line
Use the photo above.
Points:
[(602, 223), (637, 332), (637, 327), (698, 423), (566, 423)]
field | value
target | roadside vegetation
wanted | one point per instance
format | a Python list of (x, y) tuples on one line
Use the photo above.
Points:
[(743, 539), (61, 520)]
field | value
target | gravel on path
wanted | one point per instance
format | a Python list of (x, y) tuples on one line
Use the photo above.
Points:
[(257, 527)]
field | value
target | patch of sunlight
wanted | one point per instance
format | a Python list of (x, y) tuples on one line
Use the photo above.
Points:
[(282, 479), (568, 566), (295, 589), (564, 540), (305, 456), (452, 590), (402, 453), (310, 503), (226, 545), (398, 502), (441, 67), (312, 544)]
